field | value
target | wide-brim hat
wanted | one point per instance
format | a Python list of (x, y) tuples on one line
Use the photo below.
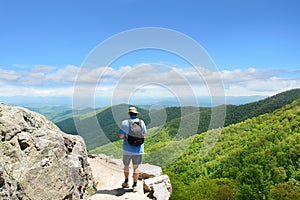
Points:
[(133, 110)]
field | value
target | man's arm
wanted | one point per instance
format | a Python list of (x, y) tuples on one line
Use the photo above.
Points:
[(124, 127), (122, 132), (144, 128)]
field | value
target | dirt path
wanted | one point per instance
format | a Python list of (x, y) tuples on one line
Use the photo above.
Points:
[(109, 178)]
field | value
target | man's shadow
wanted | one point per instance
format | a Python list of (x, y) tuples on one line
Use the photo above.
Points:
[(116, 192)]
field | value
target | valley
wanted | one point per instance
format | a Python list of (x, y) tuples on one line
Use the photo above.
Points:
[(254, 155)]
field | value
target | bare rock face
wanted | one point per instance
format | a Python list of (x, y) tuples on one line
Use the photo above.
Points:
[(38, 161)]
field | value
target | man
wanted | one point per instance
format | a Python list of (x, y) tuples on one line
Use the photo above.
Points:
[(131, 153)]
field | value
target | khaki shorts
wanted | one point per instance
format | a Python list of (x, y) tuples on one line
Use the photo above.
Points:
[(136, 159)]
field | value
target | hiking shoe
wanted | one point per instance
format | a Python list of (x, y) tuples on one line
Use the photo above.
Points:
[(125, 185), (134, 189)]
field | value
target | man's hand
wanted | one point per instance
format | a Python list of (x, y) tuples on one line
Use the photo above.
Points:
[(121, 136)]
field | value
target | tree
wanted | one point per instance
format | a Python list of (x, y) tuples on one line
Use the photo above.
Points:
[(279, 174), (251, 183), (285, 191)]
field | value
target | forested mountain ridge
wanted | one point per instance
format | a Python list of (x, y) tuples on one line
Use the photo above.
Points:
[(239, 113), (258, 158), (234, 114), (95, 137)]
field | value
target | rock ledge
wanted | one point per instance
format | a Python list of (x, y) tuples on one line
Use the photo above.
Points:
[(152, 183)]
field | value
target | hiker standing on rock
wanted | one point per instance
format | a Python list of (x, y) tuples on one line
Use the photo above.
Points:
[(132, 131)]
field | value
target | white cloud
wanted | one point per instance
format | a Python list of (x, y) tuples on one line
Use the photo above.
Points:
[(9, 90), (8, 75), (42, 68), (93, 76), (66, 75), (250, 74), (32, 78), (257, 82), (146, 80)]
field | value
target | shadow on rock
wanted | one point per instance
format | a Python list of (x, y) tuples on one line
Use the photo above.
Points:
[(116, 192)]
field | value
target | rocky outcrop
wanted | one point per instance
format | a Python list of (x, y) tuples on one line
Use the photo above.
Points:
[(108, 173), (158, 187), (38, 161)]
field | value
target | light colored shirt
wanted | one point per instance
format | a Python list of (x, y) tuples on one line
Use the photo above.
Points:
[(127, 148)]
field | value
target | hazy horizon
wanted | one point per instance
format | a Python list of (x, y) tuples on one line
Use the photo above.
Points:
[(67, 101)]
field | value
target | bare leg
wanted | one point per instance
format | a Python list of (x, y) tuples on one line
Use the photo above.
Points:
[(135, 173), (126, 171)]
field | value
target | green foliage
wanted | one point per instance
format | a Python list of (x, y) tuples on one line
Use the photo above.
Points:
[(260, 157), (110, 149), (203, 189), (252, 183), (285, 191)]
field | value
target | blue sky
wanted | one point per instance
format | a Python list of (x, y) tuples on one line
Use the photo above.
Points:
[(254, 44)]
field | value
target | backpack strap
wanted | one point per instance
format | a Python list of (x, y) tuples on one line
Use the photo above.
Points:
[(131, 122)]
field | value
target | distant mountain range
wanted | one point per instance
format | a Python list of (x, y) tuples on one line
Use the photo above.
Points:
[(66, 102), (101, 126)]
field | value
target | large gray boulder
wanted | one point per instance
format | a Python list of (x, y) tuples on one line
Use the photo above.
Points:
[(38, 161)]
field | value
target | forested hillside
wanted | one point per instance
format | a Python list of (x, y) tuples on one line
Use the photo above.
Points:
[(234, 114), (95, 137), (258, 158)]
